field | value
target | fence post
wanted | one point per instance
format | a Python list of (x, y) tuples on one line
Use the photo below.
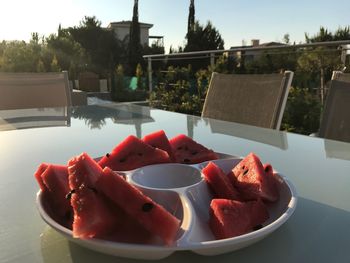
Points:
[(150, 83), (212, 60)]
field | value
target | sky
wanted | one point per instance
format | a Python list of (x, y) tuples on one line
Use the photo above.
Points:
[(236, 20)]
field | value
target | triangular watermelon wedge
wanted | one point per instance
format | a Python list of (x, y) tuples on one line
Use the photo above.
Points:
[(230, 218), (95, 216), (219, 182), (42, 167), (133, 153), (275, 181), (83, 170), (148, 213), (159, 140), (252, 181), (53, 181), (92, 217), (187, 151), (55, 178)]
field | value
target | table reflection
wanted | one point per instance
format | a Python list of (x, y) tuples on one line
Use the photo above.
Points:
[(94, 116), (266, 136), (34, 118)]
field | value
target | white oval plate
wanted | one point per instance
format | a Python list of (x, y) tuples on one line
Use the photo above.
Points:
[(195, 199)]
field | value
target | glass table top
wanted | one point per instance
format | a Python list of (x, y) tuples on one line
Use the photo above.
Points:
[(319, 169)]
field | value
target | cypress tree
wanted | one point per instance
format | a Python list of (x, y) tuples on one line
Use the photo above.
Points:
[(135, 50), (190, 23)]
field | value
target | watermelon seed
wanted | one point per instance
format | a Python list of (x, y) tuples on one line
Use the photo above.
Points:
[(187, 160), (179, 148), (139, 154), (107, 155), (267, 169), (93, 189), (245, 172), (257, 227), (146, 207), (69, 195), (194, 153), (243, 167), (122, 160)]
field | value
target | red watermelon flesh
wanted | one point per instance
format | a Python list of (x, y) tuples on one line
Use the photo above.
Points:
[(83, 170), (92, 216), (133, 153), (42, 167), (149, 214), (273, 178), (252, 181), (96, 217), (159, 140), (55, 178), (187, 151), (230, 218), (126, 229), (219, 182)]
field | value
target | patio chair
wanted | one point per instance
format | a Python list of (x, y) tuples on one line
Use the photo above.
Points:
[(257, 99), (335, 121), (341, 76), (34, 90)]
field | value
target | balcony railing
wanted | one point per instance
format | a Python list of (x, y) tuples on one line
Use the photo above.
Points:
[(342, 46)]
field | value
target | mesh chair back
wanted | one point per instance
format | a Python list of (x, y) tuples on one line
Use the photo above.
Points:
[(338, 75), (34, 90), (335, 123), (257, 99)]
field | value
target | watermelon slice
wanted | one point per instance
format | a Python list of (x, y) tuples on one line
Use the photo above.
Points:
[(159, 140), (149, 214), (53, 182), (95, 216), (219, 182), (92, 217), (230, 218), (273, 178), (42, 167), (187, 151), (252, 181), (83, 170), (55, 178), (133, 153)]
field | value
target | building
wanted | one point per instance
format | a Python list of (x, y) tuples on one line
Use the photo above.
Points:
[(251, 54), (122, 30)]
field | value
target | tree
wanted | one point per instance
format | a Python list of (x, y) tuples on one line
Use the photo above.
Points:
[(204, 38), (135, 48), (19, 56), (191, 18), (70, 54), (321, 61), (101, 46), (286, 38)]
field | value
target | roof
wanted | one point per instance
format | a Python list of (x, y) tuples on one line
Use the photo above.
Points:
[(127, 23), (267, 44)]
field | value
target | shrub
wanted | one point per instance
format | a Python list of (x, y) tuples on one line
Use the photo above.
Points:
[(302, 113)]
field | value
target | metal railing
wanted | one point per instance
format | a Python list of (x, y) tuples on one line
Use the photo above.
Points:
[(342, 45)]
